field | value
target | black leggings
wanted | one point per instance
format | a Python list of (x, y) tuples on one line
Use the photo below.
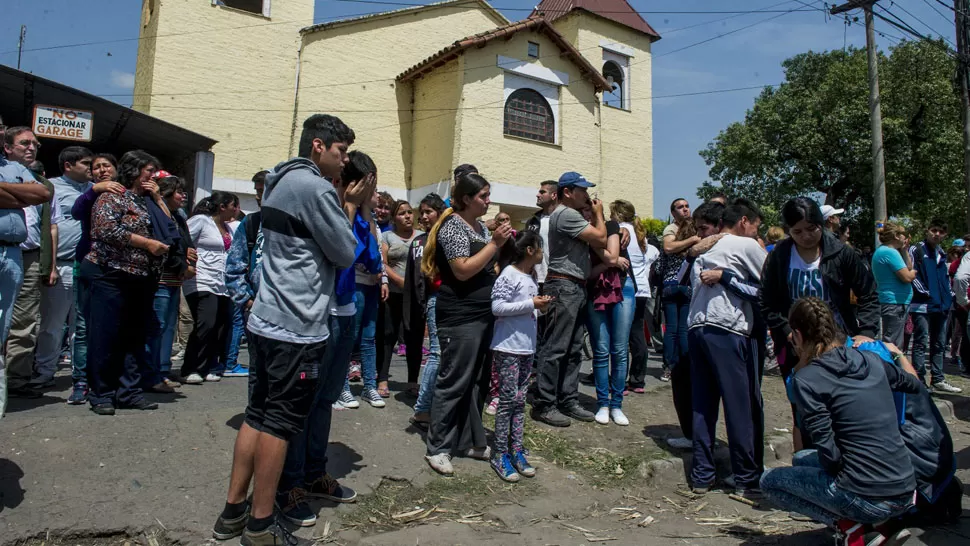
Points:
[(212, 316), (389, 327), (638, 343)]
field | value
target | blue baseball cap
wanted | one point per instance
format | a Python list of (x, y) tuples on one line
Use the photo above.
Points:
[(959, 242), (574, 179)]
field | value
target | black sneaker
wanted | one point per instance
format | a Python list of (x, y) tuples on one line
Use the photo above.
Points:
[(551, 416), (224, 529), (274, 535), (326, 487), (577, 412), (26, 391), (103, 409), (588, 379), (142, 404), (293, 508)]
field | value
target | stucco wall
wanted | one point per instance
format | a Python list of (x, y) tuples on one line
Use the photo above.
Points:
[(437, 97), (350, 71), (145, 63), (227, 74), (627, 169), (519, 162)]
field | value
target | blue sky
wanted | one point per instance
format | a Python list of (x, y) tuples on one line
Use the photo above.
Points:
[(749, 57)]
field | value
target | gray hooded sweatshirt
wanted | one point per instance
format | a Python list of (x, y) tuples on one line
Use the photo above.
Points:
[(306, 237)]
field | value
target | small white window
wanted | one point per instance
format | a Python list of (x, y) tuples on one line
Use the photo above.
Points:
[(534, 50), (259, 7)]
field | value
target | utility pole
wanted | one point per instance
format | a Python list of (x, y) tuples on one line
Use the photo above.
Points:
[(875, 112), (963, 76), (20, 46)]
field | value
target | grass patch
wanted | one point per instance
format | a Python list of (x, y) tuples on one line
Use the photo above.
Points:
[(464, 496)]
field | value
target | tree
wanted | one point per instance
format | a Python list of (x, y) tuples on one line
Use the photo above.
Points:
[(811, 136)]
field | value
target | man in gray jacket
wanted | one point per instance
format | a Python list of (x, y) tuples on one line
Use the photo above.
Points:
[(306, 237)]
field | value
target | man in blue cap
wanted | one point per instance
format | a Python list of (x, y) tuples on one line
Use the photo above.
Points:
[(570, 238)]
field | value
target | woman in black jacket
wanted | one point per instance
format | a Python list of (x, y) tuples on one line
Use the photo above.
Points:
[(812, 262)]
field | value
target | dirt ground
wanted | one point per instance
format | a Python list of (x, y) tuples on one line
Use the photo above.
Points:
[(68, 477)]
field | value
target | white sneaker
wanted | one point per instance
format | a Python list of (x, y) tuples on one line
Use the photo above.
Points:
[(480, 453), (617, 415), (440, 463), (346, 401), (214, 378), (943, 386), (371, 397), (680, 443), (194, 379), (603, 416)]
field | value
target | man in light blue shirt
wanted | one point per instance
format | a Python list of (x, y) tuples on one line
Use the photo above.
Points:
[(57, 301), (18, 189)]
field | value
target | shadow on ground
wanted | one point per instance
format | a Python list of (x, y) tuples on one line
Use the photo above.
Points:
[(11, 494)]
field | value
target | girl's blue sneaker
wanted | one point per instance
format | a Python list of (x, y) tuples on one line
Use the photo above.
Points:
[(502, 465), (522, 465)]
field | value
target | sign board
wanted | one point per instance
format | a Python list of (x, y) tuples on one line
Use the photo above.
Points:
[(63, 123)]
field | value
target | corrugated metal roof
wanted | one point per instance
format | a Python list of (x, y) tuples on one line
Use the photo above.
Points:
[(619, 11), (485, 6), (537, 24)]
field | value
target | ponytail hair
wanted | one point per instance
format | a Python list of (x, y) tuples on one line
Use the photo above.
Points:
[(626, 212), (467, 185), (211, 205), (516, 248), (813, 318)]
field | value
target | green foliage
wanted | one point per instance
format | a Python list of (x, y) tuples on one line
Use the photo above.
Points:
[(653, 226), (811, 136)]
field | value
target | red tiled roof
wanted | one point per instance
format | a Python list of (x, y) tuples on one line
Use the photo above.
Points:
[(619, 11), (537, 24)]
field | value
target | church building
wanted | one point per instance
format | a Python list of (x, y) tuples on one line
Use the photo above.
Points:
[(425, 88)]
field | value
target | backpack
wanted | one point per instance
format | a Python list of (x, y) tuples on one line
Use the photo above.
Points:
[(253, 222)]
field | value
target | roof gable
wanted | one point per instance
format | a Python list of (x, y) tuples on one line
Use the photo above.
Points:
[(448, 4), (537, 24), (618, 11)]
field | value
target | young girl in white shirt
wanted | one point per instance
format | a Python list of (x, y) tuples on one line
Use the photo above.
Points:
[(515, 303)]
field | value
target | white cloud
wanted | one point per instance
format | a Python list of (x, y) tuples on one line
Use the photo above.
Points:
[(123, 80)]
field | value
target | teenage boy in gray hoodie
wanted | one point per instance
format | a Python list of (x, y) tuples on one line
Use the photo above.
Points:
[(724, 355), (306, 237)]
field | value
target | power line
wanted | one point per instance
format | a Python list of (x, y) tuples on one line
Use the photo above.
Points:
[(761, 10), (756, 23), (937, 10), (920, 21), (652, 12)]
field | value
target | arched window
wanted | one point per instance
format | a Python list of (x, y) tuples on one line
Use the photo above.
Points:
[(613, 74), (528, 115)]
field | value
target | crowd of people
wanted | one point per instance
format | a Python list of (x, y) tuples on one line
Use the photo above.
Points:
[(331, 277)]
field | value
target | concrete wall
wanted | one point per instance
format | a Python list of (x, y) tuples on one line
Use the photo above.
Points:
[(627, 135), (437, 97), (350, 70), (515, 163), (228, 74)]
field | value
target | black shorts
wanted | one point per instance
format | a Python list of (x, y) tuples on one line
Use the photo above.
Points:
[(283, 381)]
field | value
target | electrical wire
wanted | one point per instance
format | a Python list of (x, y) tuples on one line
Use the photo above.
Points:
[(920, 21)]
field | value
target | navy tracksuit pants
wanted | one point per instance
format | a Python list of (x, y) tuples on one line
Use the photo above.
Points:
[(724, 365)]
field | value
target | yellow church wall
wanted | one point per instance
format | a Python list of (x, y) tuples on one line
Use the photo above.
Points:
[(627, 135), (519, 164), (193, 53), (436, 99), (350, 70)]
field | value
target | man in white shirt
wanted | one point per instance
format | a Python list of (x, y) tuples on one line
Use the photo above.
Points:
[(547, 202), (22, 147)]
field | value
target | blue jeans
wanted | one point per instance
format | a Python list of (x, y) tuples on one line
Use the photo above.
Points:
[(430, 373), (11, 278), (676, 305), (159, 344), (79, 360), (609, 333), (231, 356), (808, 489), (367, 299), (929, 329), (306, 454)]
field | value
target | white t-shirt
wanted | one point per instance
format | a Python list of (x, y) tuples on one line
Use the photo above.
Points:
[(805, 279), (515, 315), (640, 261), (210, 270), (543, 268)]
